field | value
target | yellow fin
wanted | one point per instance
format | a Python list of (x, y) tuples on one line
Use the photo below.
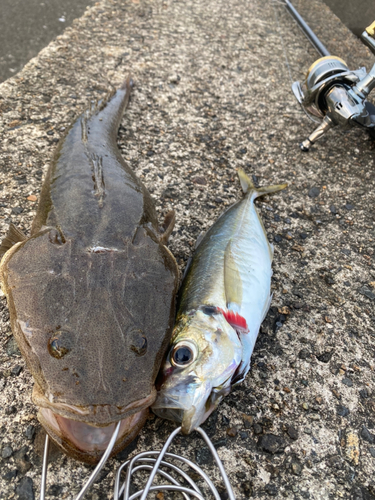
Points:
[(232, 280), (248, 185)]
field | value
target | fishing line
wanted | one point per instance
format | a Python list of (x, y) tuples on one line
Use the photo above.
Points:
[(281, 38), (92, 477), (159, 464), (178, 479), (284, 4)]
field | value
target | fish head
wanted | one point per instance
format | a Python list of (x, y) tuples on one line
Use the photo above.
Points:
[(196, 375), (85, 322)]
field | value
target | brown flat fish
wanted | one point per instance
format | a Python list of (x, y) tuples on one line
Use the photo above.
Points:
[(91, 292)]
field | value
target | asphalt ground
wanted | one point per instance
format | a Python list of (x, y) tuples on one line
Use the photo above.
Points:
[(26, 26), (212, 94)]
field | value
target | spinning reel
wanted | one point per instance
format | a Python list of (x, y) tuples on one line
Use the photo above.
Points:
[(331, 93), (336, 95)]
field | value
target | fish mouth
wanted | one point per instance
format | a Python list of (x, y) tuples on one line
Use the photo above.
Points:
[(189, 419), (84, 432), (87, 442), (174, 414), (189, 409)]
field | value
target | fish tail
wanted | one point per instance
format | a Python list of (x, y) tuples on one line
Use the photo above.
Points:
[(246, 183), (127, 84), (108, 111), (248, 186)]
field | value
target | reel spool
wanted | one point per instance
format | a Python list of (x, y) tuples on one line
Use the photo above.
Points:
[(320, 74), (331, 92)]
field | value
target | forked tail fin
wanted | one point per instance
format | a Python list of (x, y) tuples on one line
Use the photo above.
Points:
[(248, 185)]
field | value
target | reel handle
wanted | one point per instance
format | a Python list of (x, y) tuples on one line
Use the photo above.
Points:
[(326, 124)]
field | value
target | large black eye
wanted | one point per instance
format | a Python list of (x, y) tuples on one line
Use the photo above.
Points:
[(183, 354), (209, 310)]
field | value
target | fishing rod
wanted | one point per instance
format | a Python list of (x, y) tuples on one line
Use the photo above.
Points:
[(323, 51), (332, 94)]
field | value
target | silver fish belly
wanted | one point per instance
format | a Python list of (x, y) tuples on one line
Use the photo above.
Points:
[(224, 298)]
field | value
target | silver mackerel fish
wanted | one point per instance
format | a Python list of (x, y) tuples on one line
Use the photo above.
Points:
[(223, 300)]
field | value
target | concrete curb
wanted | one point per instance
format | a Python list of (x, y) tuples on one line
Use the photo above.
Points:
[(212, 94)]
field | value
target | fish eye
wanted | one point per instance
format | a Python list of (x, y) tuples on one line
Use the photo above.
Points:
[(183, 354), (209, 310), (59, 344)]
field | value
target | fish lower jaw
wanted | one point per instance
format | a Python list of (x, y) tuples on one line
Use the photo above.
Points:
[(87, 442)]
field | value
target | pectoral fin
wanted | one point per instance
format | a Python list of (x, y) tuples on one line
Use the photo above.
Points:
[(14, 236), (233, 292), (168, 225)]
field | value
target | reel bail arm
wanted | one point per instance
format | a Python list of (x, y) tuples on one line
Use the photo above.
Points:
[(332, 92)]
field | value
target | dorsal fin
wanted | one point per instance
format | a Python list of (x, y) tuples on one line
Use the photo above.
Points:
[(13, 236), (199, 239)]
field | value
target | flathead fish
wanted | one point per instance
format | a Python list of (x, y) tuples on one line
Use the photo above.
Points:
[(91, 292), (223, 300)]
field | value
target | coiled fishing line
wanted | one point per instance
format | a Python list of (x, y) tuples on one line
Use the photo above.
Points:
[(159, 464), (163, 464)]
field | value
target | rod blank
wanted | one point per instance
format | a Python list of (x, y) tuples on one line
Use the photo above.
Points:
[(307, 30)]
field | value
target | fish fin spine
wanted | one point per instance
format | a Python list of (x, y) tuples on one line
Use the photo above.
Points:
[(199, 239), (127, 84), (267, 307), (167, 227), (13, 236)]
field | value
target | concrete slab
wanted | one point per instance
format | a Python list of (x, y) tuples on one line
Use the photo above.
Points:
[(212, 94), (27, 26)]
